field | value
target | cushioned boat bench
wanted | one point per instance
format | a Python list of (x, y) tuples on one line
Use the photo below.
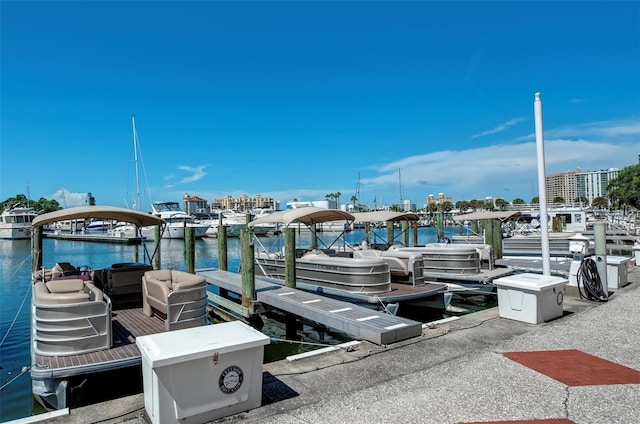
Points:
[(66, 291), (158, 284), (123, 279)]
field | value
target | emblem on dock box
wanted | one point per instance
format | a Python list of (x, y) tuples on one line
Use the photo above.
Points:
[(231, 379)]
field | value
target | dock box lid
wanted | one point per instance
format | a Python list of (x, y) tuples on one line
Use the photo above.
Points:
[(617, 260), (199, 342), (530, 281)]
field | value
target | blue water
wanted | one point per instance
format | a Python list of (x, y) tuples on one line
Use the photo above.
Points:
[(16, 400)]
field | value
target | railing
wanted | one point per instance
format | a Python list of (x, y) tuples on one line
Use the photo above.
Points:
[(186, 308), (70, 329)]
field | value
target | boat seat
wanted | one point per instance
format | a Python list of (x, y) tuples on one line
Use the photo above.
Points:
[(396, 265), (123, 280), (158, 284), (66, 291)]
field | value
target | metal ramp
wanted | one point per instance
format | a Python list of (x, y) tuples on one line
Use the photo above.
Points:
[(358, 322)]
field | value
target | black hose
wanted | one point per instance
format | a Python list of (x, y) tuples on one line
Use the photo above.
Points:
[(591, 281)]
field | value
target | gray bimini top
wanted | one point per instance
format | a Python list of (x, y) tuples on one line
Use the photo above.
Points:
[(141, 219)]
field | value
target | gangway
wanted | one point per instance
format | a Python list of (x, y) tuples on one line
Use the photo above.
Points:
[(357, 321)]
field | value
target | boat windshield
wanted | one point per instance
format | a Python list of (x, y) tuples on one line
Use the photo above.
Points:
[(168, 207)]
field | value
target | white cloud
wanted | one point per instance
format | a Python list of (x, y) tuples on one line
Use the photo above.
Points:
[(67, 199), (510, 169), (499, 128), (196, 173)]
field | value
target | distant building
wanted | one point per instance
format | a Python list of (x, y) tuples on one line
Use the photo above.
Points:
[(438, 200), (326, 203), (562, 184), (408, 206), (592, 184), (578, 184), (194, 204), (244, 203)]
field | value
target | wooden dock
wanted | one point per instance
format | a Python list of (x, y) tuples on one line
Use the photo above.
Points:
[(358, 322), (97, 238)]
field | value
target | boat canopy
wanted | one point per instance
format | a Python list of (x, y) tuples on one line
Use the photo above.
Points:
[(140, 219), (478, 216), (307, 215), (383, 216)]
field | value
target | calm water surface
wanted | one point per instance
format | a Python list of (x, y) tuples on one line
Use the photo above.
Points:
[(16, 400)]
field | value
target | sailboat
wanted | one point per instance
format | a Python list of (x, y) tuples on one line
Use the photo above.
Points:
[(175, 218)]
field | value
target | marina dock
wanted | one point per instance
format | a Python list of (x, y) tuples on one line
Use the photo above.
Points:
[(470, 370), (358, 322)]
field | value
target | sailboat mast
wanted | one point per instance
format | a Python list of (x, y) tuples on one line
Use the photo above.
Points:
[(400, 183), (135, 160)]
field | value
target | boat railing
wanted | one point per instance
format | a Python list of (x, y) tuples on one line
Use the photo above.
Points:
[(187, 308), (72, 328)]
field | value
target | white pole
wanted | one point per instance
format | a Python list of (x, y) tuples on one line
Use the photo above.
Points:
[(135, 158), (542, 188)]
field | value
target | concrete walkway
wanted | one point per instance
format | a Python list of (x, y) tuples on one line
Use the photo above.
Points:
[(462, 371)]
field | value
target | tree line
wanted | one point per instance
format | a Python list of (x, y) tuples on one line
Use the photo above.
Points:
[(41, 205)]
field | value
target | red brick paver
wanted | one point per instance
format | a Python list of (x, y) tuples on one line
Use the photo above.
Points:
[(576, 368), (541, 421)]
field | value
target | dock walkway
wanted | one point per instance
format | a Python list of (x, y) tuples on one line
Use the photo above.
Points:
[(581, 368), (358, 322)]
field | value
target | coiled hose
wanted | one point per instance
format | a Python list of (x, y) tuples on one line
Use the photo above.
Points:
[(590, 281)]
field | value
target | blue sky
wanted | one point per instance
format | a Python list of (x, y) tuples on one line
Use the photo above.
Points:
[(302, 99)]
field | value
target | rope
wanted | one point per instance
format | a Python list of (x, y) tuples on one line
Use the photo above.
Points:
[(21, 304), (23, 371), (24, 298)]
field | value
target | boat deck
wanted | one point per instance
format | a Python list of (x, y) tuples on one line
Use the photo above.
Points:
[(127, 325), (357, 321)]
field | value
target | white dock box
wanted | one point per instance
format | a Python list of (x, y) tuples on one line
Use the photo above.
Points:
[(200, 374), (617, 271), (636, 253), (531, 298)]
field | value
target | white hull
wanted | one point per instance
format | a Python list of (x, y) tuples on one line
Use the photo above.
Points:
[(15, 233), (177, 231), (15, 223)]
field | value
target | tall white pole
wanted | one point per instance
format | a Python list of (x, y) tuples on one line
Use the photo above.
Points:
[(135, 159), (542, 188)]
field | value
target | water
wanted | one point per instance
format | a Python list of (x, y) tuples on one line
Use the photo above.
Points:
[(16, 400)]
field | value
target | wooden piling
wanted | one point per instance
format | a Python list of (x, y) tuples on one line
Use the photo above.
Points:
[(405, 232), (222, 248), (367, 232), (36, 247), (189, 249), (390, 236), (290, 257), (440, 225), (314, 236), (156, 247), (247, 260)]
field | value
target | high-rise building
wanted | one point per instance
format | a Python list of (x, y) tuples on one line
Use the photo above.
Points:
[(592, 184), (575, 185), (562, 185)]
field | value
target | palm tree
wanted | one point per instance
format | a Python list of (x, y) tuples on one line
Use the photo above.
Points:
[(501, 204)]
